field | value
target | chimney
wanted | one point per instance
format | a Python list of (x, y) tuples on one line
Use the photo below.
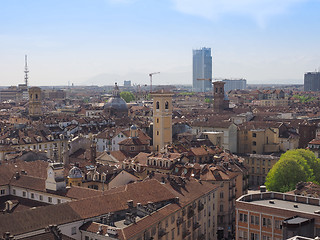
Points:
[(130, 204), (17, 175), (7, 236)]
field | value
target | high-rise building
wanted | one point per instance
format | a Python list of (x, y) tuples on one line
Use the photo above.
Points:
[(235, 84), (202, 70), (312, 81)]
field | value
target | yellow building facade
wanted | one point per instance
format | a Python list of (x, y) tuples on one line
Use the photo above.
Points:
[(162, 120)]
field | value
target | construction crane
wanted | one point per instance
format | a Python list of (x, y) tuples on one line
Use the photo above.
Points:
[(150, 75)]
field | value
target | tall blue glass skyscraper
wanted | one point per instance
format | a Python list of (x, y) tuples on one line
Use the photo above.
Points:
[(202, 69)]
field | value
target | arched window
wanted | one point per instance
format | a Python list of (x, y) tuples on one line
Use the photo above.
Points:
[(160, 163), (157, 105), (36, 96), (166, 105)]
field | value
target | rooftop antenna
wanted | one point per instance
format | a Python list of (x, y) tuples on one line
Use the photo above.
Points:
[(26, 71)]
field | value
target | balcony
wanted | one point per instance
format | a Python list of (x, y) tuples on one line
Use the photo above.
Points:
[(185, 233), (179, 221), (195, 225), (161, 232), (201, 237), (190, 212), (200, 207)]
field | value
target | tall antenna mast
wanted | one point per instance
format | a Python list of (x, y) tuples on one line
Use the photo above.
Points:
[(26, 70)]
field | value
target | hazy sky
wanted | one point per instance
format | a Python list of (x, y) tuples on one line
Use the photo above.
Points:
[(103, 41)]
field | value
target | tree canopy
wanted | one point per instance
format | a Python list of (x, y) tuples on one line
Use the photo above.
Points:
[(127, 96), (293, 166)]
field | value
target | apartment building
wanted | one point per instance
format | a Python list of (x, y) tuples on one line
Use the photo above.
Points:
[(258, 166), (272, 215)]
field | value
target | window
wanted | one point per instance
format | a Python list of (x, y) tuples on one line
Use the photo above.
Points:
[(172, 234), (50, 199), (86, 238), (157, 120), (254, 236), (277, 224), (221, 207), (13, 191), (256, 220), (59, 201), (73, 231), (157, 133), (254, 143), (24, 194), (254, 135), (264, 222), (268, 222), (157, 105), (241, 217), (32, 195), (245, 217), (221, 194), (166, 105), (2, 192), (40, 197), (251, 219), (172, 219)]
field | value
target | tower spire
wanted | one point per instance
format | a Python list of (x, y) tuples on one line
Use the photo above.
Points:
[(26, 71)]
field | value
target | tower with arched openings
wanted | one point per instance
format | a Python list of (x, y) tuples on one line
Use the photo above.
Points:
[(162, 119)]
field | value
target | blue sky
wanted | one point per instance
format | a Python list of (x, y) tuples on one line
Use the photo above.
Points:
[(106, 41)]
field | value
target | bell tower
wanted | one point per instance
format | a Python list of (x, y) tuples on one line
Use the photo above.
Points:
[(35, 102), (220, 99), (162, 119)]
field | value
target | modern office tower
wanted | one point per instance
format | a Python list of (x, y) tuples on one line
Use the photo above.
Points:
[(235, 84), (312, 81), (202, 70), (162, 120)]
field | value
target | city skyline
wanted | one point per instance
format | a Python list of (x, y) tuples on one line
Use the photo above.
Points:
[(106, 41)]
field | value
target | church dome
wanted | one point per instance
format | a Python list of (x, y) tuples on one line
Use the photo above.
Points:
[(75, 172), (116, 104)]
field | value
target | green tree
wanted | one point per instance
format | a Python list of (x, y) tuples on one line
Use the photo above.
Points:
[(293, 166), (127, 96)]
